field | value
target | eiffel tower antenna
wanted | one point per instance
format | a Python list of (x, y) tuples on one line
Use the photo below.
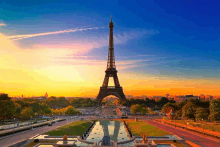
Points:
[(111, 71)]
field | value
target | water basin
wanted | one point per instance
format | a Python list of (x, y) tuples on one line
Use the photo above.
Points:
[(51, 137), (115, 129)]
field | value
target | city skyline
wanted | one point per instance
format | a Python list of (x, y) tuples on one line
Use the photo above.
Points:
[(52, 47)]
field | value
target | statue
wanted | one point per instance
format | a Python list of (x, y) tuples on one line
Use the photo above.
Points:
[(144, 138), (65, 139)]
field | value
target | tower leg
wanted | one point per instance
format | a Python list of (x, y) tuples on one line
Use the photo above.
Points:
[(105, 82)]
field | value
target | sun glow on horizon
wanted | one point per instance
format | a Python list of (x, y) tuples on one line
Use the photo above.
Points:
[(54, 69)]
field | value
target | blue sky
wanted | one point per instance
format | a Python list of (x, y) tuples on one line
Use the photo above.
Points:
[(162, 38)]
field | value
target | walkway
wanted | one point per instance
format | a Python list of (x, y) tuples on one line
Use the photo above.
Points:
[(25, 135), (202, 140)]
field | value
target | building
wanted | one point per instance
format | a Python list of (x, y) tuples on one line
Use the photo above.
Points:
[(46, 95), (208, 97)]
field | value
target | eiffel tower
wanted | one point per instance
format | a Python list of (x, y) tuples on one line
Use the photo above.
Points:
[(111, 71)]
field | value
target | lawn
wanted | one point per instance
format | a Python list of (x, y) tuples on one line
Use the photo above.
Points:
[(137, 128), (75, 128), (206, 125), (35, 143)]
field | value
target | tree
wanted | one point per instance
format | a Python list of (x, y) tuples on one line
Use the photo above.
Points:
[(35, 107), (135, 108), (162, 101), (180, 105), (4, 96), (179, 113), (78, 112), (70, 110), (167, 107), (47, 110), (143, 110), (214, 110), (7, 109), (27, 112), (201, 114), (188, 110), (18, 109)]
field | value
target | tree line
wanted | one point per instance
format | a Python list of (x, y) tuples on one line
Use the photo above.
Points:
[(153, 104), (195, 109), (29, 107)]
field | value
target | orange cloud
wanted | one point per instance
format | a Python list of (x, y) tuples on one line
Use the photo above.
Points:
[(2, 24)]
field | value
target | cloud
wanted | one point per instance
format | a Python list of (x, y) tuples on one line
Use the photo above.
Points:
[(126, 36), (82, 61), (2, 24), (18, 37)]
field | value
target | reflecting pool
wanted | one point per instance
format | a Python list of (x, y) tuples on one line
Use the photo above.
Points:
[(115, 129)]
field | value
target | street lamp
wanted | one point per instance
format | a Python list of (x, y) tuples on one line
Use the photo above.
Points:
[(14, 126), (31, 123)]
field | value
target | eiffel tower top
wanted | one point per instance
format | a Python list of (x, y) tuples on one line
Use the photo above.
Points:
[(111, 57)]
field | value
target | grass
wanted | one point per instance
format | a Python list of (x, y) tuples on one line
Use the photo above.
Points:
[(35, 143), (75, 128), (208, 125), (177, 144), (137, 128)]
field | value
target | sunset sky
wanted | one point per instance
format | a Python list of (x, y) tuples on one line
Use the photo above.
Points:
[(61, 47)]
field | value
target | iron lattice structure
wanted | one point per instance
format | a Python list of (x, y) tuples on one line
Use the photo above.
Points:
[(111, 71)]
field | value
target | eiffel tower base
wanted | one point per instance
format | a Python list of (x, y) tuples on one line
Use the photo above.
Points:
[(106, 91)]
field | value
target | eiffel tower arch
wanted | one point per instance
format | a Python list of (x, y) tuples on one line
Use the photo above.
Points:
[(111, 71)]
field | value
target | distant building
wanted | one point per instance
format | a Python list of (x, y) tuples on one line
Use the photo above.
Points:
[(208, 97), (41, 98), (46, 95), (216, 97), (16, 98), (202, 97), (167, 95), (189, 97), (66, 98), (144, 96)]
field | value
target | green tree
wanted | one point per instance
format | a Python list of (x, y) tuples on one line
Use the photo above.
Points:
[(4, 96), (188, 110), (70, 110), (27, 112), (47, 110), (7, 109), (166, 106), (214, 110), (143, 110), (18, 109), (35, 107), (135, 108), (162, 101), (201, 114), (178, 113), (78, 112)]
